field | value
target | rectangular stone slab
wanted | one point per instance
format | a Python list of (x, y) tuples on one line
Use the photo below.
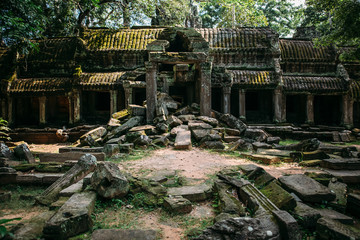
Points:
[(63, 157), (306, 188), (73, 218), (274, 152), (196, 193), (80, 149), (183, 140), (334, 215), (347, 176), (341, 164), (72, 189), (330, 229), (267, 159)]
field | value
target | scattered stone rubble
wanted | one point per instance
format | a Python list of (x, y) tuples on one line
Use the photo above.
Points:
[(252, 203)]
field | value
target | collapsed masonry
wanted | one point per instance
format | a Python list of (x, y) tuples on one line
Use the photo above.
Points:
[(248, 72)]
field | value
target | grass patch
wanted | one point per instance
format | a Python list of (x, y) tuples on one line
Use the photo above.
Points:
[(192, 226), (288, 142), (136, 154), (21, 203)]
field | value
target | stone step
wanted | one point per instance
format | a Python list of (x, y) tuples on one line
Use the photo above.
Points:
[(183, 140), (266, 159), (195, 193), (341, 164), (274, 152), (73, 218), (63, 157), (38, 178), (334, 215)]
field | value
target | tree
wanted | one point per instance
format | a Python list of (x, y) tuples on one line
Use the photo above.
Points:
[(282, 16), (337, 21)]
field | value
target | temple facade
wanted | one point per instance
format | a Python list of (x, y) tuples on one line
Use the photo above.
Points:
[(248, 72)]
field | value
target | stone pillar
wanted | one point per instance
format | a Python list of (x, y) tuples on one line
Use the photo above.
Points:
[(283, 108), (277, 102), (71, 109), (3, 109), (242, 104), (310, 109), (42, 109), (10, 118), (226, 91), (151, 90), (205, 88), (347, 111), (77, 107), (351, 112), (128, 91), (113, 101)]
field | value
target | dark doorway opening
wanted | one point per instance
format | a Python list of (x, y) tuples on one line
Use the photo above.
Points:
[(26, 111), (327, 110), (296, 108), (216, 95), (95, 107), (139, 96), (57, 110), (259, 106), (234, 102)]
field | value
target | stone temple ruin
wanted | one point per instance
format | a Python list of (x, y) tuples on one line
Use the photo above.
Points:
[(248, 72), (191, 87)]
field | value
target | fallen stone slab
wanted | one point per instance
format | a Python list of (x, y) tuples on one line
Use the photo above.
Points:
[(108, 181), (242, 228), (173, 121), (229, 139), (58, 204), (72, 189), (32, 228), (281, 198), (258, 135), (73, 218), (289, 228), (178, 129), (186, 118), (340, 190), (346, 176), (81, 149), (95, 134), (342, 164), (63, 157), (261, 145), (137, 110), (177, 204), (330, 229), (199, 134), (124, 234), (117, 132), (334, 215), (195, 193), (300, 156), (183, 140), (85, 165), (216, 145), (306, 188), (228, 202), (273, 140), (310, 163), (353, 204), (145, 128), (22, 152), (306, 216), (212, 121), (308, 145), (266, 159), (6, 152), (248, 168), (274, 152), (231, 121)]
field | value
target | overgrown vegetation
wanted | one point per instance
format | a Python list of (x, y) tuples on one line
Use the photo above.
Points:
[(4, 223), (4, 130), (22, 197)]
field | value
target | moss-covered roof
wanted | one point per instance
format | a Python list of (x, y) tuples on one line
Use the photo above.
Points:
[(305, 51), (237, 38), (97, 81), (40, 85), (314, 84), (242, 77), (123, 39)]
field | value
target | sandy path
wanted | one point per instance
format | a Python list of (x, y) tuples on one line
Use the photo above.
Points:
[(199, 163)]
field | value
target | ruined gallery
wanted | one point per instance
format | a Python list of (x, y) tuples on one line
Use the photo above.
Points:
[(248, 72)]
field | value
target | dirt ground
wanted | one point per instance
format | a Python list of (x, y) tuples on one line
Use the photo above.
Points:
[(195, 164)]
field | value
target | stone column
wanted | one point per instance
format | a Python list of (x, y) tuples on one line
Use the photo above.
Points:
[(205, 88), (310, 109), (283, 108), (128, 92), (351, 112), (226, 91), (113, 101), (242, 104), (346, 111), (277, 102), (71, 109), (151, 90), (77, 107), (3, 109), (10, 118), (42, 110)]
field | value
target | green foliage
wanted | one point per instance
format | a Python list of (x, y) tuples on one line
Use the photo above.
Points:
[(4, 130), (3, 224), (16, 191), (337, 21)]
